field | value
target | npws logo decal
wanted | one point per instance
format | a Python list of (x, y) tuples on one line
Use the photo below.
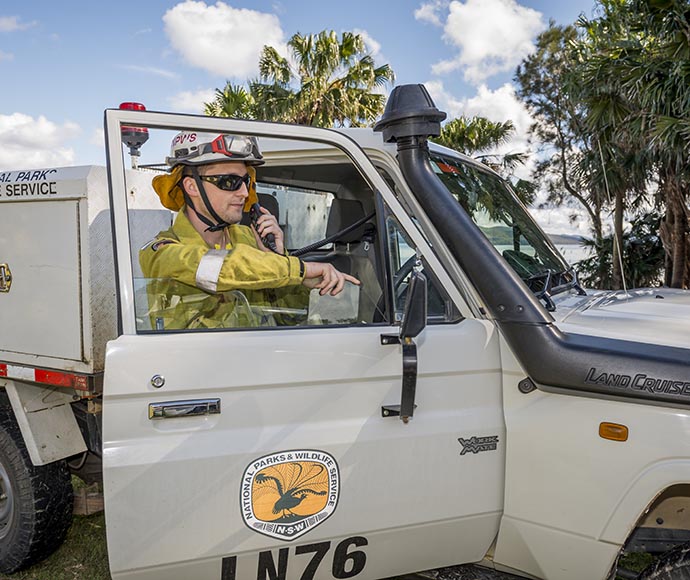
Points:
[(286, 494)]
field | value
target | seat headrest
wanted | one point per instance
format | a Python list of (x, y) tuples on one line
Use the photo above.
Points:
[(345, 212)]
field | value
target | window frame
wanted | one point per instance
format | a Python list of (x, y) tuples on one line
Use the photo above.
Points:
[(115, 119)]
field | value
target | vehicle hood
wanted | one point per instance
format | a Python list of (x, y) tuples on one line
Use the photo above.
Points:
[(653, 316)]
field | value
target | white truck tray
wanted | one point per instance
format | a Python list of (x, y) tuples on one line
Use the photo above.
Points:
[(57, 278)]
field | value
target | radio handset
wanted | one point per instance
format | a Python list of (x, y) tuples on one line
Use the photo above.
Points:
[(268, 240)]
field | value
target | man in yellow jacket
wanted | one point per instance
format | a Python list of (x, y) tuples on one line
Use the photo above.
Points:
[(210, 271)]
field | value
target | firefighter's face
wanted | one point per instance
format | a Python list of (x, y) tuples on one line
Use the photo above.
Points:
[(227, 203)]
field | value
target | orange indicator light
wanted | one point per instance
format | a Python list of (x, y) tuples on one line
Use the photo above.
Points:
[(613, 431)]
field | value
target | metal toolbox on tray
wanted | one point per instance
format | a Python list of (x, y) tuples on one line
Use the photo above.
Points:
[(57, 275)]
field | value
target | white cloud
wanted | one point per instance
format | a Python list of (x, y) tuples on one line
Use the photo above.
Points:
[(191, 101), (492, 36), (220, 39), (150, 70), (27, 142), (499, 106), (429, 12), (12, 23), (6, 56), (502, 105)]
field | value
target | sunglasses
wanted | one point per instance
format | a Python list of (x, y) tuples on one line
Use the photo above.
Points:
[(229, 181)]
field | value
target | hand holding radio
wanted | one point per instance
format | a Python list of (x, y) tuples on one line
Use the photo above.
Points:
[(266, 227)]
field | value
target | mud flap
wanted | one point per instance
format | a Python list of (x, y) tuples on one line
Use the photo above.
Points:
[(46, 421)]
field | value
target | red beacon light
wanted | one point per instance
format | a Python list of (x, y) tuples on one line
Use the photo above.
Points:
[(134, 137)]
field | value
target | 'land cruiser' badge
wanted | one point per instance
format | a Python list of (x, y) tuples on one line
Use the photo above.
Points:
[(286, 494)]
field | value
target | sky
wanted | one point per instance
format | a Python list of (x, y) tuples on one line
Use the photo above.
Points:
[(63, 63)]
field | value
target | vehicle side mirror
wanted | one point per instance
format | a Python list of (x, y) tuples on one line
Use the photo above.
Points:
[(415, 311)]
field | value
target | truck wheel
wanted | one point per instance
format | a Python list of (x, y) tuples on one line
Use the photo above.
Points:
[(35, 501), (673, 565)]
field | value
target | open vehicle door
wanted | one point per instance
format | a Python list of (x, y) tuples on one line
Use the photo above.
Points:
[(269, 447)]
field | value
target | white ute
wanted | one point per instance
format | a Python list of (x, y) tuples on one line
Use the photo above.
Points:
[(469, 403)]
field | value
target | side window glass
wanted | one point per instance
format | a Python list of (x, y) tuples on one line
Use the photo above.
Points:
[(403, 259), (324, 210)]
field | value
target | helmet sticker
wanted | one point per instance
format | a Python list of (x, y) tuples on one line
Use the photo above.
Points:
[(194, 148), (182, 138)]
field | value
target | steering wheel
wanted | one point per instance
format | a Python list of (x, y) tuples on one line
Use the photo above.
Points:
[(399, 277), (399, 288)]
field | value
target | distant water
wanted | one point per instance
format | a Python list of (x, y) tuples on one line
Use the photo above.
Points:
[(573, 252)]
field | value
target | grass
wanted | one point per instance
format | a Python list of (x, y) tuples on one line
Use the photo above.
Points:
[(636, 561), (83, 556)]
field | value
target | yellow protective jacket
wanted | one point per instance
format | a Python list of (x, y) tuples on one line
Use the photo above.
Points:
[(193, 286)]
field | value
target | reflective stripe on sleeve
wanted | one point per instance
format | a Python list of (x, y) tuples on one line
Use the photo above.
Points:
[(208, 272)]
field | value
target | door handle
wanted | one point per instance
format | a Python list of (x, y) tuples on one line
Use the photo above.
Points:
[(5, 278), (192, 408)]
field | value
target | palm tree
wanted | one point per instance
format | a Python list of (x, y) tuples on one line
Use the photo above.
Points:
[(232, 101), (635, 60), (471, 135), (330, 82)]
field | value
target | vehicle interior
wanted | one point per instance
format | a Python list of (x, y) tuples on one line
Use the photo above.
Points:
[(328, 213)]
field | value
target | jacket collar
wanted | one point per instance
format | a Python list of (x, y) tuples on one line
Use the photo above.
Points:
[(185, 231)]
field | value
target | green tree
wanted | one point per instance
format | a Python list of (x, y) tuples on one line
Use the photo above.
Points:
[(567, 158), (611, 99), (624, 168), (642, 256), (635, 58), (330, 81)]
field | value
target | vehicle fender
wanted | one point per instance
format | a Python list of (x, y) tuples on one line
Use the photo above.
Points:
[(46, 421), (641, 494)]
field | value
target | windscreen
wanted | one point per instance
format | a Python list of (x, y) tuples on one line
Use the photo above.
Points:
[(493, 206)]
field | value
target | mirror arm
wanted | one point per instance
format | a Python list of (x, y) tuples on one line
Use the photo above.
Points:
[(409, 379), (414, 321), (405, 410)]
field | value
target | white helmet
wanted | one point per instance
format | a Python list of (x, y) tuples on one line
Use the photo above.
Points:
[(194, 148)]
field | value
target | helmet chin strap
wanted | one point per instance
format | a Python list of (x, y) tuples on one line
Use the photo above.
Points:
[(220, 222)]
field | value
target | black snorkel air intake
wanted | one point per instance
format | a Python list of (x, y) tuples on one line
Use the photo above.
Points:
[(553, 360)]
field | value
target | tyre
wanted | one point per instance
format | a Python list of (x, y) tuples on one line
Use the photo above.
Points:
[(35, 501), (673, 565)]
